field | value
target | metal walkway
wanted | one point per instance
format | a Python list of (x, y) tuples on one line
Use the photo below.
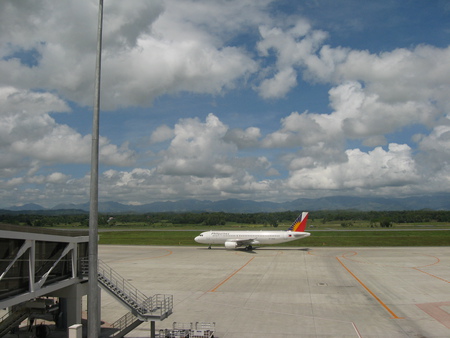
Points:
[(37, 263)]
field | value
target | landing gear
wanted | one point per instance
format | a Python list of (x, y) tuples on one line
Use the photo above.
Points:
[(209, 247), (248, 248)]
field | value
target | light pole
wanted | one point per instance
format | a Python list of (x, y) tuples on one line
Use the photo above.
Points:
[(93, 291)]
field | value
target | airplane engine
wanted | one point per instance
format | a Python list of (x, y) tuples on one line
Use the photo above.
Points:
[(231, 245)]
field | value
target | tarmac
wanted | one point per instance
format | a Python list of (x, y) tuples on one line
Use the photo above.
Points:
[(288, 292), (291, 292)]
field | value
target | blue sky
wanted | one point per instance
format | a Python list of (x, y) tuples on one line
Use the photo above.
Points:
[(263, 100)]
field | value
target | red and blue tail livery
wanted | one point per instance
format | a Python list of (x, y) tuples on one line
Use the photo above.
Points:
[(299, 224)]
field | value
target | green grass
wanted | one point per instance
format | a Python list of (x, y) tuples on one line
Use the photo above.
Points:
[(377, 238), (317, 238), (148, 237)]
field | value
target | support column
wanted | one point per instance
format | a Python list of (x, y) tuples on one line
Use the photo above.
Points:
[(74, 308), (152, 329), (99, 297), (70, 304)]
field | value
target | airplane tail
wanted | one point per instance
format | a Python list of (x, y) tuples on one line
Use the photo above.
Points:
[(299, 224)]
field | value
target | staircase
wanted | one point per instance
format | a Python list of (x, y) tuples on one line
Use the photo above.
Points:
[(122, 326), (142, 308), (12, 320)]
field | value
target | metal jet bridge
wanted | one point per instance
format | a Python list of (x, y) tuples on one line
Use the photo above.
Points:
[(40, 265)]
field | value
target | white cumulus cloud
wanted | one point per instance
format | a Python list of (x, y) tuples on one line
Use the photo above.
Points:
[(28, 134)]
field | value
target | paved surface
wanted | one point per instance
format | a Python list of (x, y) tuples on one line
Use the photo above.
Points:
[(292, 292)]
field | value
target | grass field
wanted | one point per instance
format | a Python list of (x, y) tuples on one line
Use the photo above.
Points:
[(340, 238)]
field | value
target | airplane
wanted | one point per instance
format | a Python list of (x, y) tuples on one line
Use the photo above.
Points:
[(235, 239)]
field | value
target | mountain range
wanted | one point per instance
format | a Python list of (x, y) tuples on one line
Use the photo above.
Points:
[(430, 202)]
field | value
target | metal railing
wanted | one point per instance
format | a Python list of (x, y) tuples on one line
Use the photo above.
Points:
[(123, 289), (124, 325), (10, 320), (124, 321), (159, 305)]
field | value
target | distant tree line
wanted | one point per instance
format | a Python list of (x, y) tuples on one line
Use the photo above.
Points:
[(205, 218), (383, 218), (409, 216)]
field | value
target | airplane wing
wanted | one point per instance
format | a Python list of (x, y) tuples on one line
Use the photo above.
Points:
[(241, 242)]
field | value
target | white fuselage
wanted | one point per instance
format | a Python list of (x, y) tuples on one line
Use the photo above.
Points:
[(249, 237)]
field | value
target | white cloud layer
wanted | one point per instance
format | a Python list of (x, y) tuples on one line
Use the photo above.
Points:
[(216, 49), (30, 137), (150, 48)]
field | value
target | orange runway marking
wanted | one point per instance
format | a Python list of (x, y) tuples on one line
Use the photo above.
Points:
[(429, 274), (436, 262), (230, 276), (332, 254), (369, 291), (351, 253)]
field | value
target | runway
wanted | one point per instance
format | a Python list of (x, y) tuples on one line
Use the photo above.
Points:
[(292, 292)]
